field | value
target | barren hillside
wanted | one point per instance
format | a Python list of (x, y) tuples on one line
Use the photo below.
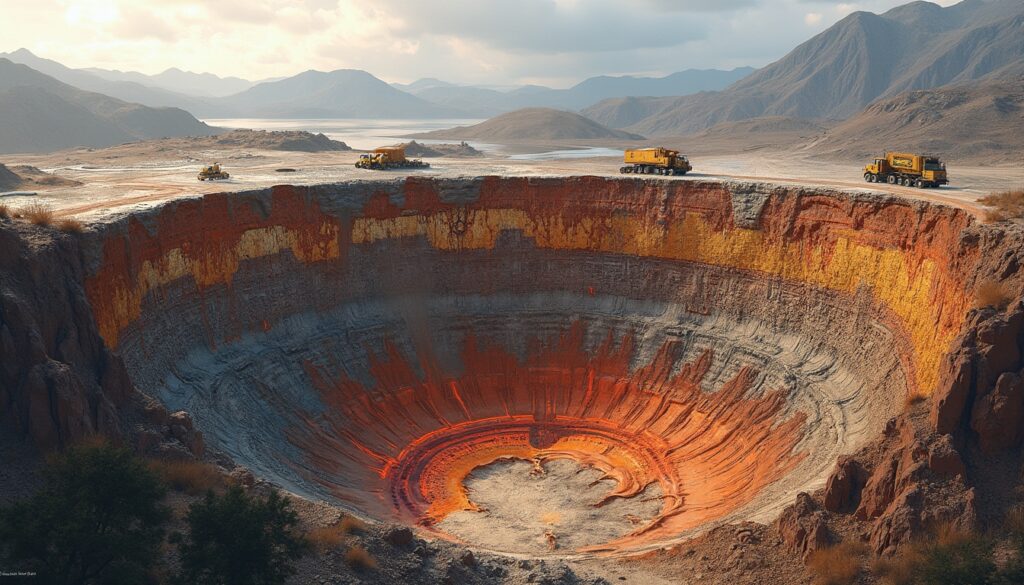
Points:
[(533, 124), (984, 123), (858, 60)]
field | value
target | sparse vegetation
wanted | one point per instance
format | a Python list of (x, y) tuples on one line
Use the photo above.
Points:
[(71, 225), (236, 539), (1005, 205), (991, 293), (359, 558), (1014, 522), (956, 557), (327, 538), (950, 557), (192, 477), (352, 525), (914, 397), (898, 570), (5, 210), (38, 214), (837, 565), (97, 519)]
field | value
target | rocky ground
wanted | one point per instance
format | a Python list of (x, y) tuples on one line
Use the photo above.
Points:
[(148, 172)]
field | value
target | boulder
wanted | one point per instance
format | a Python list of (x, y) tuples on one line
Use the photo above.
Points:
[(842, 492), (803, 527), (997, 416)]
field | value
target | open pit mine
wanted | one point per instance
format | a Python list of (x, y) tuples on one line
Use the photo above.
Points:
[(544, 366)]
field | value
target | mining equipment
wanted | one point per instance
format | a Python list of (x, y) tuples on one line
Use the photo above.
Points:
[(655, 161), (213, 173), (909, 170), (388, 157)]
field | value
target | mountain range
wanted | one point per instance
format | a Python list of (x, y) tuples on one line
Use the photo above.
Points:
[(39, 114), (351, 93), (865, 74), (480, 101), (862, 58)]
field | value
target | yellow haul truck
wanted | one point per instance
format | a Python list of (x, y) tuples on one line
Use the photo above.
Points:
[(388, 157), (655, 161), (909, 170)]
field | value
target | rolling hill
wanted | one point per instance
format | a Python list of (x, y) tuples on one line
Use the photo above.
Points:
[(860, 59), (533, 124), (39, 113)]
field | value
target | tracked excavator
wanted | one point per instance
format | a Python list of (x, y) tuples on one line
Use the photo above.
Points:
[(213, 173)]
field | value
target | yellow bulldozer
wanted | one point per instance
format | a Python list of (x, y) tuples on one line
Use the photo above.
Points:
[(213, 173), (388, 157), (655, 161), (909, 170)]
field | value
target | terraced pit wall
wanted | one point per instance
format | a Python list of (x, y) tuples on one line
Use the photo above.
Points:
[(713, 345)]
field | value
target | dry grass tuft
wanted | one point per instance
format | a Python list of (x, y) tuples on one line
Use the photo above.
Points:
[(351, 525), (192, 477), (838, 565), (5, 210), (991, 294), (915, 397), (37, 214), (327, 538), (1014, 522), (359, 558), (71, 226), (899, 570), (1005, 205)]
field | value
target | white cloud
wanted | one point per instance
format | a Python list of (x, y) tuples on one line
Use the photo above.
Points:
[(487, 41)]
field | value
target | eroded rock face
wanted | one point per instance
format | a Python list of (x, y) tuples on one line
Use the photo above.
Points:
[(58, 382), (373, 344)]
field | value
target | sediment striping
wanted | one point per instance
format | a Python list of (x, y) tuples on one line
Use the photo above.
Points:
[(715, 344)]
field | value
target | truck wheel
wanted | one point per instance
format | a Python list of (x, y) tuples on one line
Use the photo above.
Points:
[(919, 184), (892, 179), (868, 177), (906, 181)]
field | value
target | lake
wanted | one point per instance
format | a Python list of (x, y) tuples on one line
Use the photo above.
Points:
[(367, 134)]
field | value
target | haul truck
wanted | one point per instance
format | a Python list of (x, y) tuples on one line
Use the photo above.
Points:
[(909, 170), (388, 157), (655, 161)]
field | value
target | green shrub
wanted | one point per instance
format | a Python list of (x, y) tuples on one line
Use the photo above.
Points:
[(97, 519), (235, 539)]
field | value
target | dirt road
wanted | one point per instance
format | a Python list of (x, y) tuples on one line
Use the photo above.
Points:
[(126, 179)]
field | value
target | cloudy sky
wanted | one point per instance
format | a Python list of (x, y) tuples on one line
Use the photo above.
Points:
[(553, 42)]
